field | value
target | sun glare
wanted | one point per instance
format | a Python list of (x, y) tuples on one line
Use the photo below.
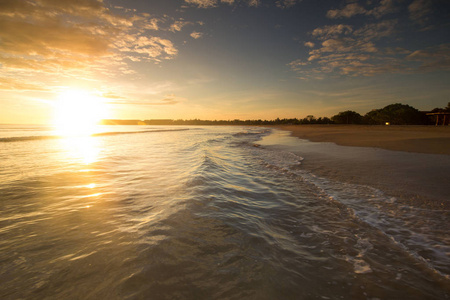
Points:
[(78, 112)]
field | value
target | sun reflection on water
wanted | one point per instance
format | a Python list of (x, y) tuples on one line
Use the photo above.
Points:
[(83, 149)]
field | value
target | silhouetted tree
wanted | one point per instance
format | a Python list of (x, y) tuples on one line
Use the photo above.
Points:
[(396, 114), (326, 120), (347, 117)]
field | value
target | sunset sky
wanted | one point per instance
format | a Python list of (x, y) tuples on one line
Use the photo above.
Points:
[(222, 59)]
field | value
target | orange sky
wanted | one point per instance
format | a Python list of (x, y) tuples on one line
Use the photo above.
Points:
[(217, 59)]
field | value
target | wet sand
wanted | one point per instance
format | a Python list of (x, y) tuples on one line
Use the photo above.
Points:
[(419, 139), (416, 172)]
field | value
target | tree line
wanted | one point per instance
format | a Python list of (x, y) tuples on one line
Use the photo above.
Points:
[(395, 114)]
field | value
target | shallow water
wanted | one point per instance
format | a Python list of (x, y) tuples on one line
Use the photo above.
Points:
[(202, 214)]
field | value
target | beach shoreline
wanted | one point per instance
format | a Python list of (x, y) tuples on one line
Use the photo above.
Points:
[(410, 138), (389, 158)]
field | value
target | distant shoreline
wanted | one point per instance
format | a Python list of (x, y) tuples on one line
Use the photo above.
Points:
[(409, 138)]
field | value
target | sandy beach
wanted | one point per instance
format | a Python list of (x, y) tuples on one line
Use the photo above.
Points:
[(419, 139), (416, 172)]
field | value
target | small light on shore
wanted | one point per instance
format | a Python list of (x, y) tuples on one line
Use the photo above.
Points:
[(387, 123)]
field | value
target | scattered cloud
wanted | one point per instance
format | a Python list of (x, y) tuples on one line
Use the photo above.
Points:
[(345, 50), (348, 11), (353, 9), (196, 35), (78, 39), (251, 3), (419, 11), (361, 50), (81, 38), (178, 25), (13, 84), (151, 24), (202, 3), (343, 61), (385, 7), (296, 64), (376, 31), (432, 58), (150, 48), (286, 3), (331, 31), (208, 3)]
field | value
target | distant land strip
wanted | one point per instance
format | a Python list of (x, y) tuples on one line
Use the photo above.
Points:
[(393, 114)]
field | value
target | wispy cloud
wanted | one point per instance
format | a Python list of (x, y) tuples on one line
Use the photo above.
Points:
[(360, 50), (143, 100), (286, 3), (178, 25), (13, 84), (382, 8), (419, 11), (358, 58), (376, 31), (432, 58), (78, 38), (344, 50), (202, 3), (171, 99), (153, 48), (252, 3), (385, 7), (196, 35), (331, 31), (348, 11)]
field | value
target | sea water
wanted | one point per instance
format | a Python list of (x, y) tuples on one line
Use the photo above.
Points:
[(161, 212)]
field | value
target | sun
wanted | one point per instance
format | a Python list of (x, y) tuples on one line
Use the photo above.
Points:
[(78, 112)]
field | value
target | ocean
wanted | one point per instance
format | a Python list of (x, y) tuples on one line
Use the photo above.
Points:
[(214, 212)]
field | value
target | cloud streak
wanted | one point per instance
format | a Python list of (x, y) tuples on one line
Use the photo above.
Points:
[(11, 84), (202, 3), (419, 11), (78, 38), (353, 9), (286, 3), (167, 100), (251, 3), (209, 3)]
